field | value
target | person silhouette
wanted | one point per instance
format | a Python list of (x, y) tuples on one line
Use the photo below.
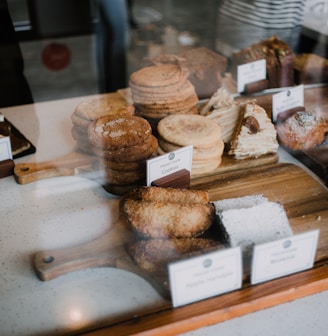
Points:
[(14, 88), (112, 39), (241, 23)]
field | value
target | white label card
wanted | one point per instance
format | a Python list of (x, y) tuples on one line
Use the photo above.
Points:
[(250, 73), (169, 163), (283, 257), (5, 149), (286, 100), (205, 276)]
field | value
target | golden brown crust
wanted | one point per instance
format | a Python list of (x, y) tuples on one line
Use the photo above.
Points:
[(158, 194), (114, 132), (167, 219)]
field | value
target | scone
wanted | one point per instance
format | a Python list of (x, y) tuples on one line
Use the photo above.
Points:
[(302, 131)]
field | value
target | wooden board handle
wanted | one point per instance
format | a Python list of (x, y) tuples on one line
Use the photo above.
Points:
[(69, 165), (104, 250), (51, 264)]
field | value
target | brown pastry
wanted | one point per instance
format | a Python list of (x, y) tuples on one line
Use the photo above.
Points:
[(302, 131), (158, 218)]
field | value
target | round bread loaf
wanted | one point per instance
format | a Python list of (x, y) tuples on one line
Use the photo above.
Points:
[(303, 130)]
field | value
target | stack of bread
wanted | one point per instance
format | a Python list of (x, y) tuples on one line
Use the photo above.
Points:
[(177, 131), (161, 90), (123, 143), (90, 110)]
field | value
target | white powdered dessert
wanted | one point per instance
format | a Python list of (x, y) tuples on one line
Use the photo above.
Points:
[(250, 220), (255, 135)]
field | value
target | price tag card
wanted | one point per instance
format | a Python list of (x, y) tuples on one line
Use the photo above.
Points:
[(205, 276), (287, 100), (169, 163), (5, 149), (283, 257), (250, 73)]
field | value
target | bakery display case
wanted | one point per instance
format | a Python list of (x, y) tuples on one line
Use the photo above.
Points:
[(91, 246)]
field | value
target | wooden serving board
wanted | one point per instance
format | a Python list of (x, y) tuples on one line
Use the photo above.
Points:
[(77, 163), (304, 199), (72, 164)]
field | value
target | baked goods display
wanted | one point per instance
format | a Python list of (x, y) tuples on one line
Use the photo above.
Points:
[(161, 90), (177, 131), (205, 68), (279, 61), (90, 110), (123, 143), (302, 130), (154, 212), (255, 134), (169, 224)]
